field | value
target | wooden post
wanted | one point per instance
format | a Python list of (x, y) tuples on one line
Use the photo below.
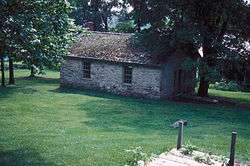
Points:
[(180, 135), (232, 149)]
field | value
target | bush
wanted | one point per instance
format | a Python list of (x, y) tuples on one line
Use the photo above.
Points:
[(223, 85), (188, 149), (125, 27), (135, 155), (206, 159), (20, 66)]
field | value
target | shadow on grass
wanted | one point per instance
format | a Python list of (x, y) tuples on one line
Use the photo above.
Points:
[(25, 85), (102, 94), (39, 80), (110, 112), (126, 116), (118, 113), (6, 91), (22, 157), (147, 119)]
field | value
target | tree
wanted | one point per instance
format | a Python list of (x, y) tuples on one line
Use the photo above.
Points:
[(11, 71), (96, 11), (139, 11), (2, 67), (81, 11), (202, 24), (36, 32), (7, 35)]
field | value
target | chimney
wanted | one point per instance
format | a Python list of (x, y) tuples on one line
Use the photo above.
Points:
[(90, 26)]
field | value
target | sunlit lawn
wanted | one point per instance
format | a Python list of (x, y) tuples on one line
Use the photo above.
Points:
[(243, 97), (41, 124)]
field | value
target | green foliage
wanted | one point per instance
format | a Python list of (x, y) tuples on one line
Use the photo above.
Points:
[(38, 33), (20, 66), (126, 26), (188, 149), (220, 27), (211, 73), (226, 86), (96, 11), (196, 21), (135, 155), (189, 64), (224, 161), (206, 159)]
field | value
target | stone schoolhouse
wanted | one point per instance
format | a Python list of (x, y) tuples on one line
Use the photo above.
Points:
[(114, 63)]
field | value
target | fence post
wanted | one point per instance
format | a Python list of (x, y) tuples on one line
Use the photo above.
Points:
[(232, 149), (180, 135)]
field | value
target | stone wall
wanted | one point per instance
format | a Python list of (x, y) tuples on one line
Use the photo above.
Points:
[(146, 81)]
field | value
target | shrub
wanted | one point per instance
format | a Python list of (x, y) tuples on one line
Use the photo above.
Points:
[(135, 155), (223, 85), (20, 66), (126, 26), (206, 159), (188, 149)]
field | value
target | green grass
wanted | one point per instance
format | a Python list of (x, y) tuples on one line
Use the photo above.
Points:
[(243, 97), (41, 124)]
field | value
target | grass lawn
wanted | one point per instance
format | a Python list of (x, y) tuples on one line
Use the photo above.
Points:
[(41, 124), (243, 97)]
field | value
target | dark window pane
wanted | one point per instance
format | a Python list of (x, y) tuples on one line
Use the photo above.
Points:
[(86, 70), (127, 75)]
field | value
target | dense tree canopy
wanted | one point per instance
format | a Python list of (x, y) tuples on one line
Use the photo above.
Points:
[(217, 26), (97, 11), (35, 32)]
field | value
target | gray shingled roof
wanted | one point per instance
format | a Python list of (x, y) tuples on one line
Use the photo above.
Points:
[(116, 47)]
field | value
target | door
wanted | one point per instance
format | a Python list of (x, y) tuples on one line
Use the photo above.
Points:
[(178, 81)]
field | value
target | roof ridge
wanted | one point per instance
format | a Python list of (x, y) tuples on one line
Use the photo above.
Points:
[(112, 33), (113, 47)]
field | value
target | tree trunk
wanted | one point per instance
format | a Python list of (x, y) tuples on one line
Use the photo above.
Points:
[(138, 25), (104, 16), (203, 87), (11, 72), (137, 8), (138, 20), (32, 71), (2, 71), (206, 62), (105, 21)]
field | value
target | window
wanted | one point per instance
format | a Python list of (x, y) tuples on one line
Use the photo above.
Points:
[(175, 79), (86, 70), (184, 77), (127, 74)]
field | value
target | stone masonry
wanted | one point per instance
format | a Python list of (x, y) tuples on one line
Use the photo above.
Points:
[(146, 81), (107, 58)]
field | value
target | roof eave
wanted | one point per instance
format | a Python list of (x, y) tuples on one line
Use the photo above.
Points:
[(114, 62)]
